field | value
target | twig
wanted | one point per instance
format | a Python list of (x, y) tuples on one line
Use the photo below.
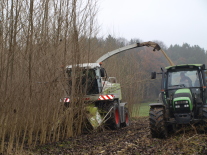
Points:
[(191, 137)]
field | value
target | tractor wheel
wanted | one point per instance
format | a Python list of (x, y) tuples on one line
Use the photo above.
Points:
[(157, 123), (114, 121), (205, 114), (127, 120), (205, 118)]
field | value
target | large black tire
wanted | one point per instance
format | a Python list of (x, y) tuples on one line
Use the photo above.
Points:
[(114, 121), (205, 119), (127, 118), (205, 114), (157, 123)]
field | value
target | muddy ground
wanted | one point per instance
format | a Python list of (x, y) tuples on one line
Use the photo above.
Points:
[(132, 140)]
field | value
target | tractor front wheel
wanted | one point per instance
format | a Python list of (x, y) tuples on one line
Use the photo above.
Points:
[(157, 122)]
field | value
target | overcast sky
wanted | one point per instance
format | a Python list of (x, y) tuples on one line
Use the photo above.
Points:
[(169, 21)]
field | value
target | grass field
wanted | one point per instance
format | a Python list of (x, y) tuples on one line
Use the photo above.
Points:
[(139, 110)]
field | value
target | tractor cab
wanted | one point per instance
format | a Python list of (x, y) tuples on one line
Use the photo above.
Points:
[(182, 98), (184, 92)]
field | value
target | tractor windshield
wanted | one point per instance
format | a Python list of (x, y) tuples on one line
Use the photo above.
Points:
[(183, 79)]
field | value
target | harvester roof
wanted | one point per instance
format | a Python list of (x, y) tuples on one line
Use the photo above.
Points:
[(84, 65)]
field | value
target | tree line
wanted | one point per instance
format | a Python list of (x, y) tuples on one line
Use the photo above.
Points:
[(187, 54)]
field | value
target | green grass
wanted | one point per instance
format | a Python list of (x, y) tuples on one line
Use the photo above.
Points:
[(140, 110)]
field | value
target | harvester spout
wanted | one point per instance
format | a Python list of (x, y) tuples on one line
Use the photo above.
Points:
[(148, 44), (157, 47)]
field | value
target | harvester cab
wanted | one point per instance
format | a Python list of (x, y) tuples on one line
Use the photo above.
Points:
[(89, 74), (93, 79), (182, 99), (102, 94)]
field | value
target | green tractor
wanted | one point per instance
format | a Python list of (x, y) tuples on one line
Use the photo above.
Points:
[(182, 99)]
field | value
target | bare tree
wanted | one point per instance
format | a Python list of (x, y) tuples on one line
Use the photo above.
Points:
[(36, 38)]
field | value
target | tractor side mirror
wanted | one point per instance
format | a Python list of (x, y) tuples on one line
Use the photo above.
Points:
[(153, 75)]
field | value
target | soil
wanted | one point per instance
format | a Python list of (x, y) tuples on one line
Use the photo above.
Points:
[(132, 140)]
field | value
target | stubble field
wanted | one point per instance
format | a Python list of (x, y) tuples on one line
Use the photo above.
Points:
[(132, 140)]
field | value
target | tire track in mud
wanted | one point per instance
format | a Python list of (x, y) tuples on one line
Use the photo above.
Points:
[(132, 140), (125, 139)]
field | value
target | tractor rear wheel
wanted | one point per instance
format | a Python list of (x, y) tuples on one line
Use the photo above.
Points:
[(157, 123), (127, 120), (114, 118), (205, 118)]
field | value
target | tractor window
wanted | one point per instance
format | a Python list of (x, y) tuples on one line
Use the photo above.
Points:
[(183, 79)]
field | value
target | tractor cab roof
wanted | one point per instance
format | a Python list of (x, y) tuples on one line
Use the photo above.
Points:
[(186, 66)]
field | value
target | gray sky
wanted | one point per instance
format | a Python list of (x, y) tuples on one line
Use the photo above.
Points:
[(170, 21)]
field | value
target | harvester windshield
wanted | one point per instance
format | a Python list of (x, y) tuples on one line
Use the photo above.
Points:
[(85, 79)]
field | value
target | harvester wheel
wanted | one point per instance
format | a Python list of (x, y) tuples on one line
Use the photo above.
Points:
[(114, 121), (127, 120), (157, 123)]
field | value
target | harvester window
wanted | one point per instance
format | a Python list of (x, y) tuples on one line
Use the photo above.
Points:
[(112, 79), (102, 72)]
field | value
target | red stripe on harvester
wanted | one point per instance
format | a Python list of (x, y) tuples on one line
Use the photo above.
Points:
[(105, 97), (66, 100)]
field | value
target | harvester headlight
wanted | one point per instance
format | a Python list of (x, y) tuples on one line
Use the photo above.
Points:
[(186, 105), (185, 101), (176, 102)]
